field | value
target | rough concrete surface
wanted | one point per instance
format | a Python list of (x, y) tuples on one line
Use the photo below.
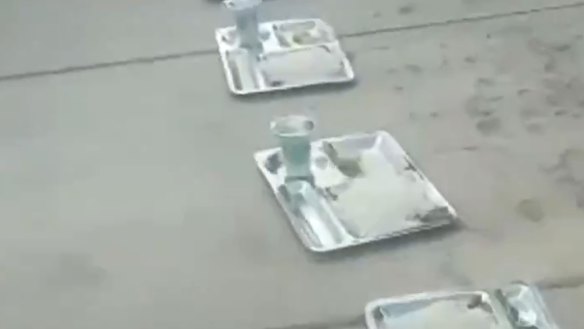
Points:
[(129, 198), (56, 35)]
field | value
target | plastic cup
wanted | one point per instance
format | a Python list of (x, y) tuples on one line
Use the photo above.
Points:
[(294, 134), (246, 22)]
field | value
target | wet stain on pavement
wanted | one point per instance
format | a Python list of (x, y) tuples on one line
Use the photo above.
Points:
[(470, 148), (407, 9), (561, 86), (415, 69), (523, 91), (484, 82), (569, 172), (530, 209), (561, 112), (470, 59), (562, 47), (489, 126)]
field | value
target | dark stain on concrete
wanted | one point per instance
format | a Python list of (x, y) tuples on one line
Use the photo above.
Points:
[(489, 126), (470, 148), (470, 59), (406, 9), (398, 88), (376, 14), (569, 172), (561, 86), (382, 47), (562, 47), (413, 68), (560, 112), (523, 91), (530, 209), (484, 82)]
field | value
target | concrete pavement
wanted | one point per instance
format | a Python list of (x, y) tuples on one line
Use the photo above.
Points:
[(130, 198), (46, 36)]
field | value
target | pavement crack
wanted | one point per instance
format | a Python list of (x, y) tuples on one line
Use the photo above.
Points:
[(212, 51), (469, 19), (102, 65)]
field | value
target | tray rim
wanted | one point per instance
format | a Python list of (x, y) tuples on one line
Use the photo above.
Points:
[(539, 301), (439, 294), (498, 308), (294, 220), (228, 76)]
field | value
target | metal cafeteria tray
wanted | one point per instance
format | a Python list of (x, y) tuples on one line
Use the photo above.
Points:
[(515, 306), (441, 310), (295, 53), (365, 189), (524, 306)]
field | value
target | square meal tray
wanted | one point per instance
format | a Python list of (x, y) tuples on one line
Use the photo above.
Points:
[(365, 189), (515, 306), (296, 53)]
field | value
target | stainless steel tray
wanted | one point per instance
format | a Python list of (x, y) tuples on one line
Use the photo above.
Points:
[(296, 53), (366, 188), (448, 310), (515, 306), (524, 306)]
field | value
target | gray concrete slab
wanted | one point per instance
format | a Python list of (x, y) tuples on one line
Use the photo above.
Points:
[(129, 198), (565, 304), (38, 36)]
